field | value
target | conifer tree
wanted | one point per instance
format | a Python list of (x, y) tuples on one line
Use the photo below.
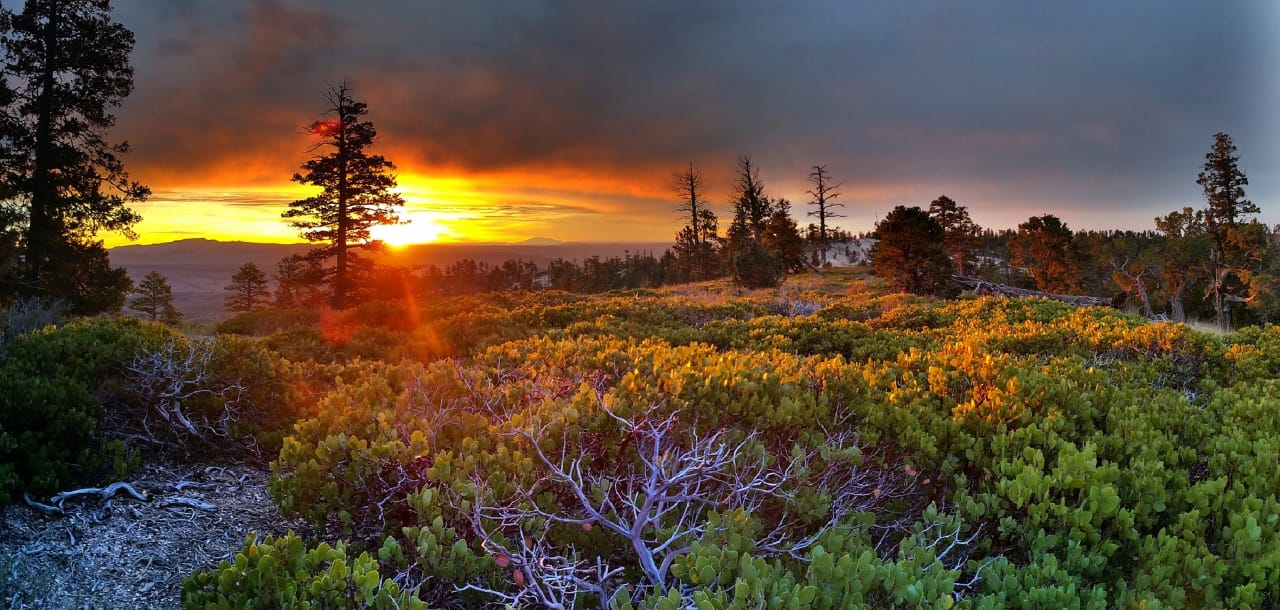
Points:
[(782, 237), (155, 299), (697, 243), (750, 261), (1043, 246), (248, 289), (357, 194), (298, 280), (909, 252), (68, 65), (959, 233), (1238, 243), (1182, 256)]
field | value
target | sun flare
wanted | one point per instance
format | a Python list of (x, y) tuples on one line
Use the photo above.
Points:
[(419, 229)]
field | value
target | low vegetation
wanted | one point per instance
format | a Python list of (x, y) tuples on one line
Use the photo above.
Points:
[(830, 446)]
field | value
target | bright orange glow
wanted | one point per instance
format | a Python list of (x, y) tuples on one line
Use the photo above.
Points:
[(504, 207), (325, 128), (421, 228)]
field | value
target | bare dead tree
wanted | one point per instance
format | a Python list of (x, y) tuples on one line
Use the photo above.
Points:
[(659, 503), (178, 373), (823, 193), (687, 185)]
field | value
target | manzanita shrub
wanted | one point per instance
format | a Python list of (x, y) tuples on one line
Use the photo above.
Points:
[(54, 385), (668, 450), (285, 574)]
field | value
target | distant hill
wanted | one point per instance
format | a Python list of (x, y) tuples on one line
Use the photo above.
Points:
[(540, 241), (199, 269)]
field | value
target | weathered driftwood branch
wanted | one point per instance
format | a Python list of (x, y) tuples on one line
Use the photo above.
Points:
[(43, 509), (185, 501), (55, 506), (984, 287), (103, 493)]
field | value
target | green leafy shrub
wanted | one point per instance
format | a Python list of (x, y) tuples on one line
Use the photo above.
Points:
[(283, 573), (1022, 453), (262, 322), (54, 384)]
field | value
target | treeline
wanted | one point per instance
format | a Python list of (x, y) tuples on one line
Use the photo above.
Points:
[(1216, 262)]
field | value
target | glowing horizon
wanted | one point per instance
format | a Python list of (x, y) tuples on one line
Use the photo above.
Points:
[(501, 131)]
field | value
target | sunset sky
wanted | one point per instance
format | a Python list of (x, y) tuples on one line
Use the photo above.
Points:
[(565, 119)]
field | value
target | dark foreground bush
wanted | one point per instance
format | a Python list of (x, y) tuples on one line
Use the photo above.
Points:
[(53, 384)]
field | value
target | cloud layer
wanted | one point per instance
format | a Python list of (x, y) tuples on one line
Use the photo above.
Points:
[(1012, 108)]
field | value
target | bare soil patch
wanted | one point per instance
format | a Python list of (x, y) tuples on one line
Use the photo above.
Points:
[(123, 553)]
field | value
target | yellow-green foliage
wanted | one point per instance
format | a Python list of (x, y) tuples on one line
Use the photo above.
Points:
[(283, 573), (1085, 458)]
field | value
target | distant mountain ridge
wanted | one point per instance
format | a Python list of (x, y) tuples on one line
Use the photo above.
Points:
[(199, 268)]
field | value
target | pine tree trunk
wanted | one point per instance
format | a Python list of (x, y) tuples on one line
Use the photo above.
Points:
[(41, 228)]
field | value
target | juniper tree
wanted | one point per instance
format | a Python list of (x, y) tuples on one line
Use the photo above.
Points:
[(66, 65), (357, 193)]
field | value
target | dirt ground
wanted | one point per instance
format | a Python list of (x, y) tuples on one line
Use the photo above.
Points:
[(121, 553)]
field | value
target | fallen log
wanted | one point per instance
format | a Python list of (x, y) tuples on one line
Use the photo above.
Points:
[(983, 287)]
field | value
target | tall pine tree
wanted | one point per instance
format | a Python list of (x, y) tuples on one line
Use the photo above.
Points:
[(67, 66), (1238, 243), (357, 194)]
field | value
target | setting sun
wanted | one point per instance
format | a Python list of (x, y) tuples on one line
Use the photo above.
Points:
[(418, 228)]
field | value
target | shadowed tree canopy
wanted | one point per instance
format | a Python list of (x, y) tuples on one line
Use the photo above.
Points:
[(1182, 257), (782, 237), (751, 208), (66, 67), (357, 193), (909, 253), (1043, 246), (298, 281)]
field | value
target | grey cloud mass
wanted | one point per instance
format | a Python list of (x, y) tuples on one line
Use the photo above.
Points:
[(1011, 107)]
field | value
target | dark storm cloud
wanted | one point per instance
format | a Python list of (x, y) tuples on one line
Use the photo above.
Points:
[(1096, 103)]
